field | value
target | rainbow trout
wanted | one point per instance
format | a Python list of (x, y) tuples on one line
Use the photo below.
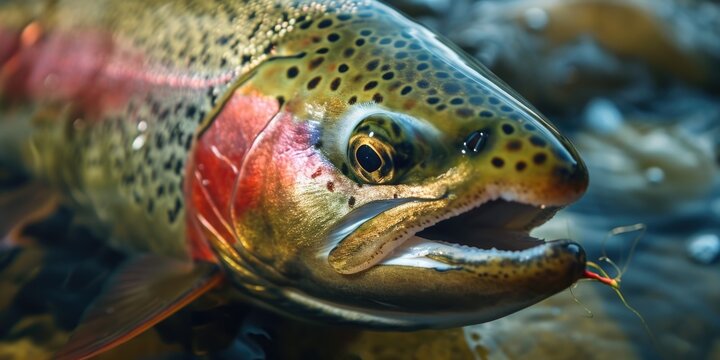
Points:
[(328, 160)]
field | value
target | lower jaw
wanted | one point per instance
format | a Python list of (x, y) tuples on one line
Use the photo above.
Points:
[(439, 255)]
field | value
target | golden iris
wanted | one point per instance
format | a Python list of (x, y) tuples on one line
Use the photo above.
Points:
[(372, 158)]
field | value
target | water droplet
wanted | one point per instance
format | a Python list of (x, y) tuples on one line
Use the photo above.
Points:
[(139, 142)]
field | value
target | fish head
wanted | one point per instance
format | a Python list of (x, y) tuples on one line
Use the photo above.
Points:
[(397, 182)]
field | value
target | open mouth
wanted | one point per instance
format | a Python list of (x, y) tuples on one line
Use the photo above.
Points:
[(497, 229)]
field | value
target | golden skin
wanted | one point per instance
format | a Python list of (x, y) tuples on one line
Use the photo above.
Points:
[(345, 75), (352, 79)]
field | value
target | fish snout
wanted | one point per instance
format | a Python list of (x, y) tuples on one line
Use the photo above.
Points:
[(529, 160)]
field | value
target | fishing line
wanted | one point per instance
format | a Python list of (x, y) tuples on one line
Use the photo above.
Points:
[(614, 282)]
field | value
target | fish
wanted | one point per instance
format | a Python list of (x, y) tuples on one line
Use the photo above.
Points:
[(331, 161)]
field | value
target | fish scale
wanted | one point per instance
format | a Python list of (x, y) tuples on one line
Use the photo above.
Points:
[(140, 148)]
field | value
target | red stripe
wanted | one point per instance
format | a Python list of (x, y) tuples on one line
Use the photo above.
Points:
[(214, 169)]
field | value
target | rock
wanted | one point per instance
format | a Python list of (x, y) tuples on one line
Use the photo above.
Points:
[(704, 248)]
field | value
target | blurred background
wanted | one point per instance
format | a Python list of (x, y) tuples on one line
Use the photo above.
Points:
[(635, 84)]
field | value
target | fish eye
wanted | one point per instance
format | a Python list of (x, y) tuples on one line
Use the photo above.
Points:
[(389, 148), (371, 155)]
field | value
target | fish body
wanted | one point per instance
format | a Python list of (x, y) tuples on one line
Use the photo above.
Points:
[(338, 161)]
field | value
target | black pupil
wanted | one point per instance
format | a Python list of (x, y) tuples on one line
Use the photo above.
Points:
[(368, 158)]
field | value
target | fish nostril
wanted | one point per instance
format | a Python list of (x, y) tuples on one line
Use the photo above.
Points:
[(475, 142)]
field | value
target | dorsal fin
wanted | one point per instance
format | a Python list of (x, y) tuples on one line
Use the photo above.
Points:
[(144, 292)]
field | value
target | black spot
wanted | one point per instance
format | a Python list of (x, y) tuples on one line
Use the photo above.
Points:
[(401, 55), (314, 82), (400, 43), (508, 129), (366, 32), (506, 108), (335, 84), (520, 166), (344, 17), (352, 100), (349, 52), (314, 63), (406, 90), (377, 98), (476, 100), (323, 50), (433, 100), (370, 85), (190, 111), (423, 84), (451, 88), (360, 42), (539, 158), (423, 57), (464, 112), (385, 41), (388, 75), (351, 201), (325, 24), (514, 145), (306, 24), (343, 68), (457, 101), (537, 141), (498, 162), (422, 66), (493, 100), (333, 37), (367, 158), (372, 65), (486, 114), (292, 72)]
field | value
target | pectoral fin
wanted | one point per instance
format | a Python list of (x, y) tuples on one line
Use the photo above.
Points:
[(143, 293)]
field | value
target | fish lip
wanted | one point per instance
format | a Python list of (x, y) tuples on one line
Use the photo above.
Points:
[(459, 241)]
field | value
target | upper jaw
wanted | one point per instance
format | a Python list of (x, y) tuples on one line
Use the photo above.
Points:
[(497, 230)]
